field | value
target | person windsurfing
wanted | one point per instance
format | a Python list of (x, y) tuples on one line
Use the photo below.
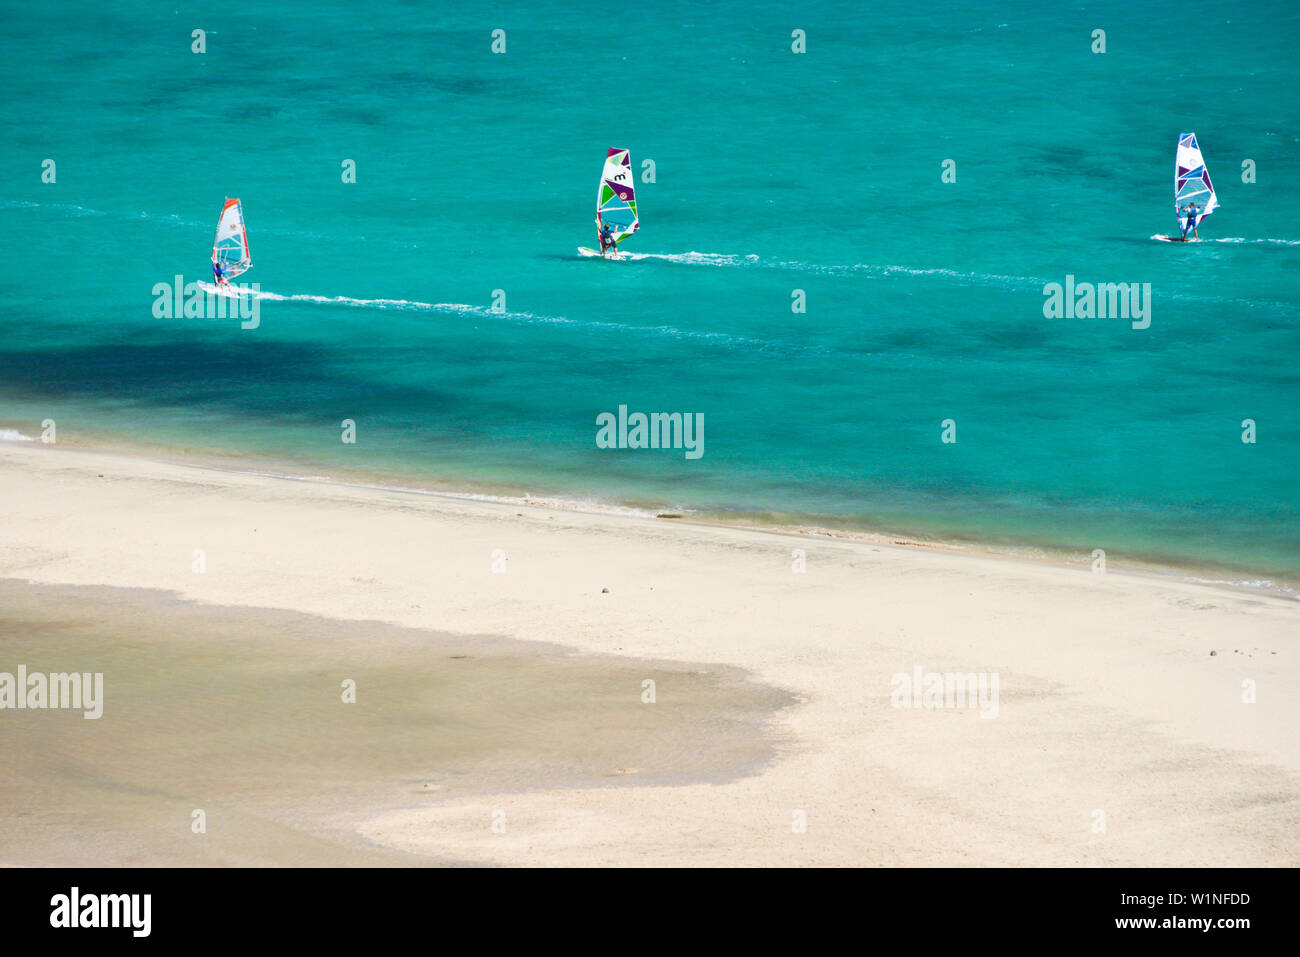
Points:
[(1190, 221), (219, 273), (606, 239)]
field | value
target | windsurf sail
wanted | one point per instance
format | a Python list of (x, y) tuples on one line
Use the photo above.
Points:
[(1192, 183), (616, 196), (230, 247)]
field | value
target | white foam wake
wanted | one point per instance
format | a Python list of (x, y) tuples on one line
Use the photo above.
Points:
[(13, 435), (235, 291), (695, 259), (485, 312), (1239, 240), (752, 261)]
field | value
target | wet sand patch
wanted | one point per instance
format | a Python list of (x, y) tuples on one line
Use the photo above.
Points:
[(238, 712)]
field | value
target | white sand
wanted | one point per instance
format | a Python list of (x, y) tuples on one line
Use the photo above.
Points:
[(1110, 702)]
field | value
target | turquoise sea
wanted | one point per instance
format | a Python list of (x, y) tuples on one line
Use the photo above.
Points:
[(774, 171)]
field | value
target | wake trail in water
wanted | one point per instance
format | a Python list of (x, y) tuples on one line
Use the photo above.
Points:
[(234, 292), (694, 258), (529, 318), (1241, 240), (753, 261), (1238, 241)]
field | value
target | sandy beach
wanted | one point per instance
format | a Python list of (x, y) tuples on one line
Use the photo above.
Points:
[(1139, 720)]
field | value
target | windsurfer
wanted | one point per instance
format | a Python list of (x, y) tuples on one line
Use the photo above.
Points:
[(1190, 221), (606, 239), (219, 274)]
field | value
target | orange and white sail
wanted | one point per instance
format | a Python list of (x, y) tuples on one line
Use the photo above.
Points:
[(230, 247)]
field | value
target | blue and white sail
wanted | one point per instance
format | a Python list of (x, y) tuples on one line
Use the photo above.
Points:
[(1192, 183)]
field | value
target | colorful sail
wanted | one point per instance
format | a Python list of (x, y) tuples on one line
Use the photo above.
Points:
[(1192, 183), (616, 196), (230, 247)]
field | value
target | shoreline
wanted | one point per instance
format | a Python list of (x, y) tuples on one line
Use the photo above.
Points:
[(1248, 580)]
